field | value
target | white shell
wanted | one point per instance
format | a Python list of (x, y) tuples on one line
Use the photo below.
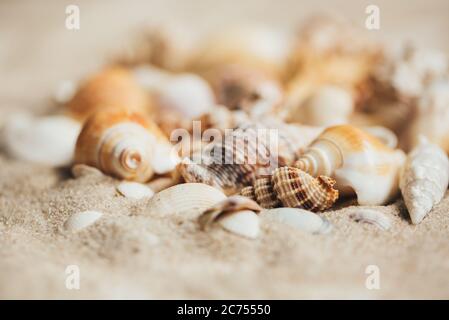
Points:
[(424, 179), (65, 91), (134, 190), (244, 223), (301, 219), (371, 216), (188, 94), (185, 197), (46, 140), (82, 220)]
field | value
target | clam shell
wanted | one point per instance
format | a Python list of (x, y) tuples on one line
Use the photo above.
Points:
[(373, 217), (185, 197), (244, 223), (48, 140), (134, 190), (82, 220), (301, 219)]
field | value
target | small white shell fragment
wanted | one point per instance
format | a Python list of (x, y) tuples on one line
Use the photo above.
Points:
[(244, 223), (185, 197), (46, 140), (134, 190), (373, 217), (65, 91), (301, 219), (82, 220)]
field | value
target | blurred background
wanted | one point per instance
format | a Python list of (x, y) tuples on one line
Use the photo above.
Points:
[(37, 51)]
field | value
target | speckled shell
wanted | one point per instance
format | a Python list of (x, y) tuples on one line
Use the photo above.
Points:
[(111, 88), (119, 143), (357, 160), (291, 187)]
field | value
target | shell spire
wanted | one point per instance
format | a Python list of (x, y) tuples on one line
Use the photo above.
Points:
[(292, 187), (357, 161), (120, 143)]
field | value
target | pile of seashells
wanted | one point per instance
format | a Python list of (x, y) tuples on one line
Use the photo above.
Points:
[(346, 113)]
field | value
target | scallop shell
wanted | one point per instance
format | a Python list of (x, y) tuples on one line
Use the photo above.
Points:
[(291, 187), (185, 197), (111, 88), (424, 179), (134, 190), (373, 217), (48, 140), (82, 220), (122, 144), (300, 219), (356, 160)]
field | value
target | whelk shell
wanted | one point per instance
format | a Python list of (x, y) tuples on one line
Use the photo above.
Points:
[(424, 179), (236, 214), (111, 88), (123, 144), (82, 220), (301, 219), (185, 197), (356, 160), (291, 187), (373, 217)]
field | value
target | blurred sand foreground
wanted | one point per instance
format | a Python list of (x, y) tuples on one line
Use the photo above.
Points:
[(118, 257)]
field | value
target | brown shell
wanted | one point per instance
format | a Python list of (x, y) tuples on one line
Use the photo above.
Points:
[(265, 193), (95, 148), (112, 88), (295, 188)]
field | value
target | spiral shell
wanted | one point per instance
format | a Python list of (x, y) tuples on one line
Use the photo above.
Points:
[(357, 160), (111, 88), (120, 143), (291, 187)]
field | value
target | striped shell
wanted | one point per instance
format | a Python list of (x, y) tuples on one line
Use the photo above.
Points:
[(291, 187), (119, 143), (111, 88)]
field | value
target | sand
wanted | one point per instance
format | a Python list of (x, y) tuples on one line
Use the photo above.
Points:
[(130, 253)]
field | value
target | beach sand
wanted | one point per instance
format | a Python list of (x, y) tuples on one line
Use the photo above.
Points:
[(130, 253)]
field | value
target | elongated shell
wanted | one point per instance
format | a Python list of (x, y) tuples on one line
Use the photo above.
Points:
[(111, 88), (121, 144), (424, 179), (185, 197), (357, 160), (301, 219)]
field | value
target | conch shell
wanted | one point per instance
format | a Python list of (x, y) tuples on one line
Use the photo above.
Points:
[(294, 188), (356, 160), (111, 88), (424, 179), (123, 144)]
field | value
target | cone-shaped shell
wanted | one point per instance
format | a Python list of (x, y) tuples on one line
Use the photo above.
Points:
[(112, 88), (357, 160), (119, 143)]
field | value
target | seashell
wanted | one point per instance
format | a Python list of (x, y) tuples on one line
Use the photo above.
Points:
[(64, 92), (424, 179), (228, 206), (300, 219), (185, 197), (291, 187), (373, 217), (240, 88), (48, 140), (134, 190), (81, 170), (383, 134), (111, 88), (159, 184), (250, 46), (356, 160), (123, 144), (82, 220), (235, 214), (328, 105)]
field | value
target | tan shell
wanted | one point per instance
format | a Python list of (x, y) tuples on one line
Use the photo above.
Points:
[(111, 88), (120, 143), (291, 187), (228, 206), (357, 160)]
